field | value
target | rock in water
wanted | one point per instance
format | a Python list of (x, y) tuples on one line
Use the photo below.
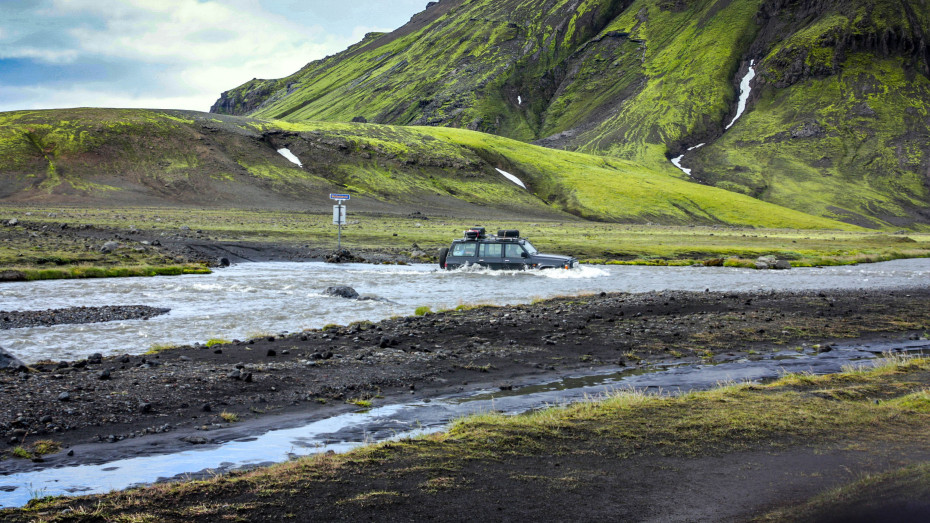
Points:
[(783, 265), (343, 256), (10, 362), (342, 291)]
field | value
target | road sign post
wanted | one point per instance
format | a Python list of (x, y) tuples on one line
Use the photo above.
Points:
[(339, 215)]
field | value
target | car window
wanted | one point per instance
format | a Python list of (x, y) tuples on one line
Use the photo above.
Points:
[(490, 250), (512, 250), (529, 247), (464, 249)]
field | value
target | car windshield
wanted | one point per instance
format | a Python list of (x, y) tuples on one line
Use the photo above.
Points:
[(529, 247)]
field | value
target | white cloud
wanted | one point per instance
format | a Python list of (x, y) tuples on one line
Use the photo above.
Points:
[(49, 56), (201, 48), (23, 98)]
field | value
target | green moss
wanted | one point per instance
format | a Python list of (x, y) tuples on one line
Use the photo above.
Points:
[(423, 310), (847, 160)]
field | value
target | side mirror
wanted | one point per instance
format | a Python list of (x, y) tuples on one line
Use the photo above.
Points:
[(524, 254)]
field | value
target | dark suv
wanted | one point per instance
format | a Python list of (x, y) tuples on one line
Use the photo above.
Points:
[(506, 251)]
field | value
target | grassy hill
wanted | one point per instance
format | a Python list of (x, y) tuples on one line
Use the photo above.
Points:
[(837, 123), (114, 157)]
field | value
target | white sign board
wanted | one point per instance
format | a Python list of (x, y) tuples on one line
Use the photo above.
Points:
[(339, 214)]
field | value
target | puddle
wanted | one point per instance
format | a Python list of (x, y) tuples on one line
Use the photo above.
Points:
[(346, 431)]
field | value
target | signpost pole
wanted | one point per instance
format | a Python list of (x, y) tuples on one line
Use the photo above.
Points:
[(339, 214)]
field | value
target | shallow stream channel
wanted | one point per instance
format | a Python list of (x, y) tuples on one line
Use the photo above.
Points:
[(294, 437), (275, 297)]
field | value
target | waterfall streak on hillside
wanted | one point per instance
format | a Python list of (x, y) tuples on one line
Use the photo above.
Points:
[(744, 90), (512, 178), (285, 152)]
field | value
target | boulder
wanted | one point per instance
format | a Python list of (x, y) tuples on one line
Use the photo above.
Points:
[(343, 256), (782, 265), (109, 247), (342, 291), (12, 222), (222, 262), (8, 362), (12, 275), (766, 262)]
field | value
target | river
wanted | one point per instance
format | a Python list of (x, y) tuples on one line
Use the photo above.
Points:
[(257, 298)]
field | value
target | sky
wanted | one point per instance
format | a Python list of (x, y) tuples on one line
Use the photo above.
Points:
[(170, 54)]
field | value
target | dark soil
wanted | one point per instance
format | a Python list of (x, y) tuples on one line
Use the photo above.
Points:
[(181, 391), (76, 315)]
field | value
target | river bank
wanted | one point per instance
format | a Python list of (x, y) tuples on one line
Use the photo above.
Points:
[(33, 239), (741, 452), (188, 392)]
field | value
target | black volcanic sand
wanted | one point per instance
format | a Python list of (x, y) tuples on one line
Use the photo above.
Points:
[(77, 315), (175, 398)]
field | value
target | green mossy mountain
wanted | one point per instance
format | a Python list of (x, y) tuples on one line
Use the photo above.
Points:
[(134, 157), (837, 124)]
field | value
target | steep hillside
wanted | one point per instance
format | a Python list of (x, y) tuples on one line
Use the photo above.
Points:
[(839, 122), (834, 126), (137, 157)]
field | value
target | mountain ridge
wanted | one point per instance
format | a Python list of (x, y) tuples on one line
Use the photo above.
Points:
[(645, 80), (130, 157)]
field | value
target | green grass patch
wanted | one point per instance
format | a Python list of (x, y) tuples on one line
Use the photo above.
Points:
[(423, 310), (159, 348), (360, 402)]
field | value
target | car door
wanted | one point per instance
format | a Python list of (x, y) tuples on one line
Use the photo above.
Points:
[(514, 257), (490, 255)]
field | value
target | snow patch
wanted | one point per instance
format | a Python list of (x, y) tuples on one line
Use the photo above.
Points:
[(512, 178), (519, 100), (285, 152), (744, 90)]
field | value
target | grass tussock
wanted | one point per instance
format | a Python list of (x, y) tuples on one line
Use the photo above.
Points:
[(423, 310)]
